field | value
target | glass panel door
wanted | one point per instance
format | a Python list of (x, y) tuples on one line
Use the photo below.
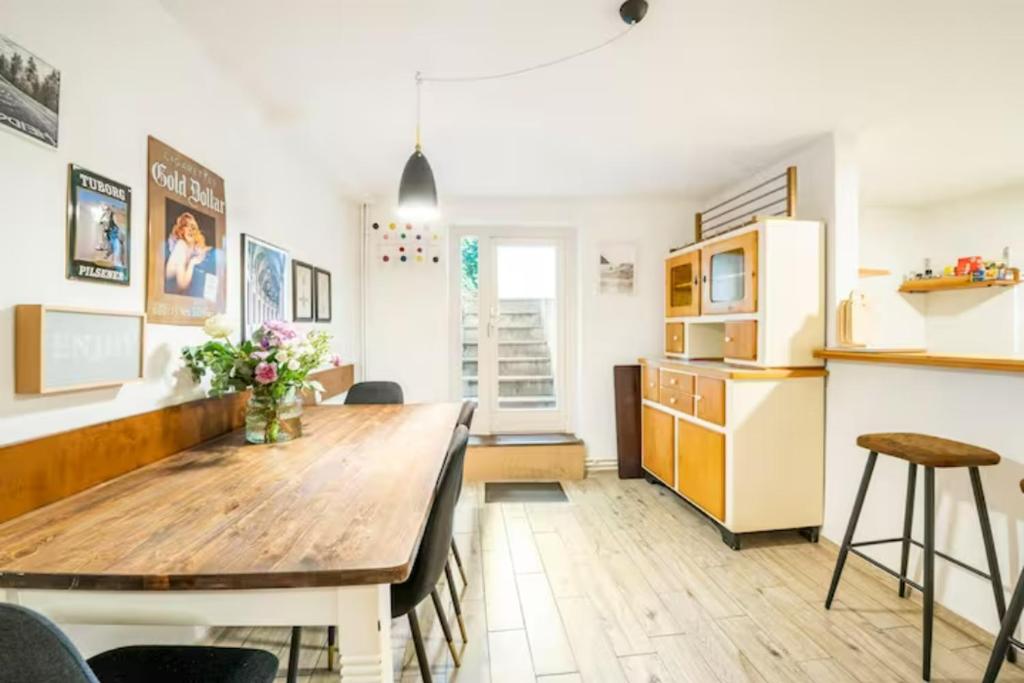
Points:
[(682, 282), (512, 341)]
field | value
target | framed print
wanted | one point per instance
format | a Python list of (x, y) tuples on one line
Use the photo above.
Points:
[(99, 227), (264, 284), (616, 268), (303, 294), (29, 93), (185, 281), (323, 296)]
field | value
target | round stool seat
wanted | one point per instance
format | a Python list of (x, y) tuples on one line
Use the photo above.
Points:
[(929, 451)]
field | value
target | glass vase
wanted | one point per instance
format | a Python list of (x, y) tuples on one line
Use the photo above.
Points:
[(270, 421)]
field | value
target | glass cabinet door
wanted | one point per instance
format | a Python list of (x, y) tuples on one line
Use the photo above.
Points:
[(729, 275), (682, 285)]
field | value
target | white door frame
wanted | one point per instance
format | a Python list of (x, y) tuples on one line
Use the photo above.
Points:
[(566, 368)]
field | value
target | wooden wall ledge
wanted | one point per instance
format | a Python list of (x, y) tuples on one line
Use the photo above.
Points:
[(938, 360)]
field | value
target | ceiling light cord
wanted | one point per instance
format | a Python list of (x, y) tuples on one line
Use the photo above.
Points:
[(419, 98), (420, 78)]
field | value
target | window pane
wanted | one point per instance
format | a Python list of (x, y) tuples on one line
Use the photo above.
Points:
[(526, 327), (727, 276), (470, 304)]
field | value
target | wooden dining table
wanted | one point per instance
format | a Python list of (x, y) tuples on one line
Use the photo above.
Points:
[(306, 533)]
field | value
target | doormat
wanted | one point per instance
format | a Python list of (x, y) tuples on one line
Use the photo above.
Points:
[(524, 492)]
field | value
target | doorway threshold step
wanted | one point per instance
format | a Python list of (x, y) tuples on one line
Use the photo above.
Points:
[(540, 439)]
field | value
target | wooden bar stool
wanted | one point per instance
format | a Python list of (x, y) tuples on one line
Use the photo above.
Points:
[(1005, 638), (929, 452)]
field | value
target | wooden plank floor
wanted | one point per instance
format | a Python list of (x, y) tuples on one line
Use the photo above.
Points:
[(625, 584)]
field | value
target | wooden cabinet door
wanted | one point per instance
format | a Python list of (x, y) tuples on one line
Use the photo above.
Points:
[(659, 444), (674, 342), (650, 380), (701, 462), (729, 275), (682, 285), (741, 340)]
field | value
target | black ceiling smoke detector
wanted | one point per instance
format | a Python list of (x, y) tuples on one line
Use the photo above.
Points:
[(633, 11)]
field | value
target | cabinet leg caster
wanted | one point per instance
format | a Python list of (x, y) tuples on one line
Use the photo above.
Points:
[(730, 539), (810, 533)]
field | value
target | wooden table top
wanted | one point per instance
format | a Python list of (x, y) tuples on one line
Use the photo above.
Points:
[(346, 504)]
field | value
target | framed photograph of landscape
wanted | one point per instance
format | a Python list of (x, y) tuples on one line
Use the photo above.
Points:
[(264, 284), (323, 296), (303, 292), (99, 226), (186, 279), (29, 93), (616, 268)]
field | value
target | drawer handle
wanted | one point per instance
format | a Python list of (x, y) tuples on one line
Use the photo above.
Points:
[(672, 381), (675, 337), (671, 400), (728, 339)]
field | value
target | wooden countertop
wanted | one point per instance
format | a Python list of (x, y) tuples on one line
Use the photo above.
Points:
[(940, 360), (345, 504), (721, 370)]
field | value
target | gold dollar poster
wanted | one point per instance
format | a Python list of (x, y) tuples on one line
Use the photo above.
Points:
[(186, 280)]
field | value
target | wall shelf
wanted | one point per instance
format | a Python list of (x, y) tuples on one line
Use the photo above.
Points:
[(873, 272), (940, 284)]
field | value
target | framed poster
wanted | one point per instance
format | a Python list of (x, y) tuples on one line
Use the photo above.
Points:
[(29, 93), (185, 281), (264, 284), (616, 268), (99, 225), (323, 296), (303, 294)]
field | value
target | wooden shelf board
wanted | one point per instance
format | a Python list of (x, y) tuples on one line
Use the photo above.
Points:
[(942, 360), (873, 272), (950, 283)]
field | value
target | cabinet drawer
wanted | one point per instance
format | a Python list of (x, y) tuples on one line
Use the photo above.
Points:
[(677, 399), (674, 342), (650, 380), (711, 404), (741, 340), (677, 380), (700, 467)]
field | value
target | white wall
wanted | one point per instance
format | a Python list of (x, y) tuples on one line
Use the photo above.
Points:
[(128, 71), (985, 321), (408, 315)]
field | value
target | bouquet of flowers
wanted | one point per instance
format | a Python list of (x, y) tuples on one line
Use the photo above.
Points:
[(275, 364)]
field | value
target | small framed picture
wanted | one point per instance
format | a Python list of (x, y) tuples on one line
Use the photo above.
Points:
[(264, 284), (99, 225), (323, 295), (303, 292)]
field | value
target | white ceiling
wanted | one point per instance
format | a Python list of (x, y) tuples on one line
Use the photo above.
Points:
[(696, 96)]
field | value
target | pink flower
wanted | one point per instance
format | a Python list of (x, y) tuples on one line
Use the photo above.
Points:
[(336, 360), (266, 373), (259, 355)]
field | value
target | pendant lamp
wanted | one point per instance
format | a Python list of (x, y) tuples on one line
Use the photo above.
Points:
[(417, 192)]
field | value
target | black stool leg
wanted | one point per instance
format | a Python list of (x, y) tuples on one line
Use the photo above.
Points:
[(990, 549), (417, 642), (443, 618), (844, 550), (293, 654), (332, 646), (455, 600), (458, 562), (908, 527), (1002, 647), (929, 571)]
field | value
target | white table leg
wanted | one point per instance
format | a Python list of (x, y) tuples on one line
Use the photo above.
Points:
[(364, 634)]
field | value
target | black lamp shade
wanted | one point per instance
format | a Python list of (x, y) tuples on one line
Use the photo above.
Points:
[(417, 193)]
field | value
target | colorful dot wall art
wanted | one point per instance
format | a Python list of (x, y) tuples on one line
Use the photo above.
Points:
[(405, 244)]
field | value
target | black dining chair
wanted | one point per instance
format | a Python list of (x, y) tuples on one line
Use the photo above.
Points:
[(374, 392), (432, 557), (465, 420), (33, 650)]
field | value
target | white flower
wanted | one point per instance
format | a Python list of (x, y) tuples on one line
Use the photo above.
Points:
[(282, 355), (219, 326), (293, 365)]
